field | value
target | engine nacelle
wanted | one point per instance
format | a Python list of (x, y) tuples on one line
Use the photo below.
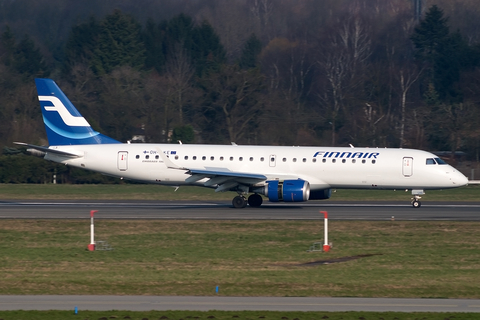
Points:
[(320, 194), (288, 190)]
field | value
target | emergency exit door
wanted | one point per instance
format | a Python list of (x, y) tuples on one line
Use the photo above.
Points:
[(122, 160)]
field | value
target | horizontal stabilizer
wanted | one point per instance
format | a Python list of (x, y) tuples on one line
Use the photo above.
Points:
[(46, 149)]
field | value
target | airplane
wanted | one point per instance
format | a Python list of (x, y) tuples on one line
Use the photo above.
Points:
[(279, 173)]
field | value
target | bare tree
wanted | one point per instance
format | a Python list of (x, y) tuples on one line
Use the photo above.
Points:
[(233, 97), (342, 61), (179, 73), (407, 75)]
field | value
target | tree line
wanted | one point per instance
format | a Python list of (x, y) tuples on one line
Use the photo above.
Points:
[(367, 73)]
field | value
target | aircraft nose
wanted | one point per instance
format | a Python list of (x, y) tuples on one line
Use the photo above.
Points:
[(459, 179)]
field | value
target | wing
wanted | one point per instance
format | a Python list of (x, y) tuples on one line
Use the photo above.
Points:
[(222, 178)]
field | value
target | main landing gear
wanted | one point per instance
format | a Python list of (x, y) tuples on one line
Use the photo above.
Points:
[(254, 200)]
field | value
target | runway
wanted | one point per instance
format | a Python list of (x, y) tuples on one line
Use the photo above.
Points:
[(224, 211), (147, 303)]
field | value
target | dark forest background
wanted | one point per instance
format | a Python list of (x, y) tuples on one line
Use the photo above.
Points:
[(376, 73)]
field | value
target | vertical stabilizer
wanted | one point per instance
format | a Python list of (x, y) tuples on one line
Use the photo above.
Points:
[(64, 124)]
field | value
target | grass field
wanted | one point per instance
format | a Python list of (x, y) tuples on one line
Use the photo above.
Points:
[(155, 192), (248, 258), (229, 315)]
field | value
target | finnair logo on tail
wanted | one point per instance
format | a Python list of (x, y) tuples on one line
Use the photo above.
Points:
[(67, 117)]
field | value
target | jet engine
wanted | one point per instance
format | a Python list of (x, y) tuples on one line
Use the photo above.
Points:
[(288, 190), (320, 194)]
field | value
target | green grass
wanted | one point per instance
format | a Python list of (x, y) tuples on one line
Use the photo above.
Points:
[(229, 315), (155, 192), (248, 258)]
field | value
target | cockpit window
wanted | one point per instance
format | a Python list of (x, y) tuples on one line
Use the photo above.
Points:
[(440, 161), (430, 161)]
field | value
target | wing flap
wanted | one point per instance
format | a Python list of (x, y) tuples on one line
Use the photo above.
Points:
[(224, 178)]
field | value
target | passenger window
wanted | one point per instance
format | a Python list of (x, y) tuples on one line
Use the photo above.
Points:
[(304, 160), (353, 160), (240, 158), (194, 157), (363, 161), (137, 157), (430, 161), (176, 157), (374, 161), (231, 158), (334, 160), (212, 158), (203, 158), (314, 160), (262, 159), (343, 160), (186, 158), (284, 160), (294, 159), (147, 156), (251, 158), (221, 158), (324, 160)]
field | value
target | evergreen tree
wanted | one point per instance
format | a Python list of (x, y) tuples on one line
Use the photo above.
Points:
[(119, 44), (431, 34), (444, 54), (81, 43), (208, 53), (184, 134), (28, 60), (154, 41), (7, 46), (250, 52)]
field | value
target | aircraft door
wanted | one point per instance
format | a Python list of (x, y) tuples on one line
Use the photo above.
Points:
[(407, 166), (122, 160), (273, 160)]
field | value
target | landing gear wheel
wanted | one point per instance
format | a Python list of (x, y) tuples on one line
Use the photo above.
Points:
[(255, 200), (239, 202), (416, 204)]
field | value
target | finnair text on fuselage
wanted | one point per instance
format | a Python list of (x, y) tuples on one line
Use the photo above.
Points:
[(351, 155)]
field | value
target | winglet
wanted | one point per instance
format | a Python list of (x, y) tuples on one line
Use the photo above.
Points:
[(169, 162)]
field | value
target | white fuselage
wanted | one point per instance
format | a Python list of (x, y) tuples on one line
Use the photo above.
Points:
[(322, 167)]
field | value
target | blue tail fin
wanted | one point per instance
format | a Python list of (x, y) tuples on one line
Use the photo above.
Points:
[(64, 124)]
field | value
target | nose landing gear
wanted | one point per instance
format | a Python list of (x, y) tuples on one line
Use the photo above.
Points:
[(416, 198)]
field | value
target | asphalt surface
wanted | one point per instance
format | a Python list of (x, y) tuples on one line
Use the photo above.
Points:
[(147, 303), (223, 210)]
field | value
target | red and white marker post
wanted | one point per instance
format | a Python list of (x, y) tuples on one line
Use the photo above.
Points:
[(91, 246), (326, 246)]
